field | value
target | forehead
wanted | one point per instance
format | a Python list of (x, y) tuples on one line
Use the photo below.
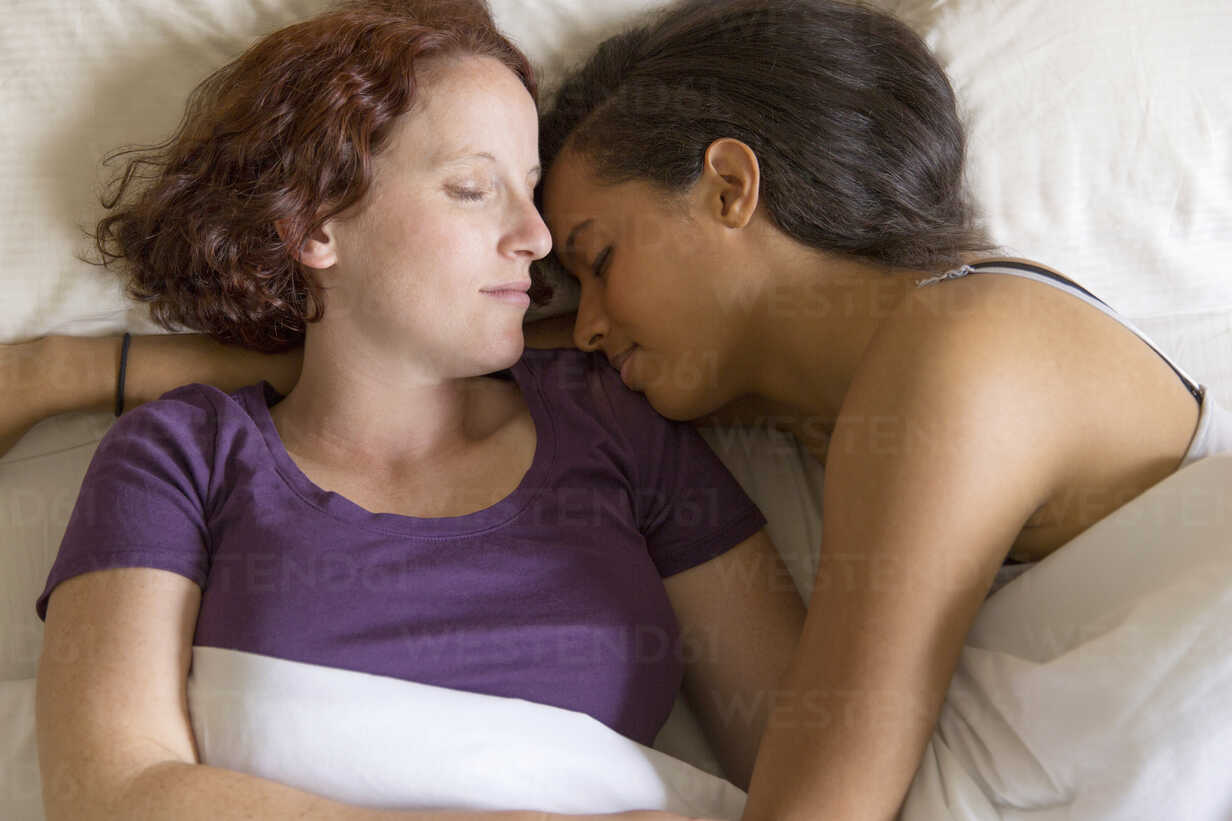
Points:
[(469, 105), (573, 197)]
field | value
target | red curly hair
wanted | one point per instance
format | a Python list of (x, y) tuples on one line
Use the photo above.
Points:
[(284, 134)]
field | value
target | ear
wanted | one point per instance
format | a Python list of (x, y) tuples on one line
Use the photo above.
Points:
[(730, 184), (319, 250)]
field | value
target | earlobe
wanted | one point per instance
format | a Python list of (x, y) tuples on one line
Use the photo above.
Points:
[(318, 250), (733, 177)]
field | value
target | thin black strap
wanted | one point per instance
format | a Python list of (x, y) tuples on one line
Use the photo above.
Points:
[(1044, 272)]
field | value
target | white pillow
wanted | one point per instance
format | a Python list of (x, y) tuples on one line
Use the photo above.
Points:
[(39, 481), (1101, 144), (83, 77)]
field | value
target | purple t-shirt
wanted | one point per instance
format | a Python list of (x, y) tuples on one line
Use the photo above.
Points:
[(552, 594)]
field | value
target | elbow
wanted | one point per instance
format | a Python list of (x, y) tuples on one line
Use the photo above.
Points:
[(89, 794)]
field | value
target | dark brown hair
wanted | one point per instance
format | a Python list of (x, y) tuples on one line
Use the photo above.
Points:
[(284, 134), (852, 119)]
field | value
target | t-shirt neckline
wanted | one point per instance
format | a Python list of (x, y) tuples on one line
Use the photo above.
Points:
[(257, 399)]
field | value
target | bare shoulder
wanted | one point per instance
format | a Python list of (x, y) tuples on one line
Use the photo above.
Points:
[(1084, 362), (1034, 324), (1108, 415), (981, 324), (972, 373)]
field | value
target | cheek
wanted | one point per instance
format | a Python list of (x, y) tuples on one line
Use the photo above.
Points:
[(406, 266), (406, 225)]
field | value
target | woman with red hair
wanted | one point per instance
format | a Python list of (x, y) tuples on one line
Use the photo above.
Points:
[(363, 183)]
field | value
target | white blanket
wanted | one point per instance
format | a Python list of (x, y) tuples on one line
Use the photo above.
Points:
[(1096, 685), (377, 741)]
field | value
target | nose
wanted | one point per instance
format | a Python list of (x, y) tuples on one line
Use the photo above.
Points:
[(530, 235), (591, 326)]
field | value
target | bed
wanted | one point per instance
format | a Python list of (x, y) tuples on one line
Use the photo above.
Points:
[(1092, 686)]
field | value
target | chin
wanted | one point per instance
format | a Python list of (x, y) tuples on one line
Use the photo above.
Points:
[(678, 406), (505, 353), (683, 399)]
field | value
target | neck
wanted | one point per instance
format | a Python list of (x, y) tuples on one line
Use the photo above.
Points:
[(814, 319), (365, 409)]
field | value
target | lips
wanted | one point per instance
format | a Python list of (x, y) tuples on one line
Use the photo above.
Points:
[(619, 361), (519, 286), (511, 293)]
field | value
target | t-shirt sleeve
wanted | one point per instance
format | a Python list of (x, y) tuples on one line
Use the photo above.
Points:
[(688, 505), (142, 502)]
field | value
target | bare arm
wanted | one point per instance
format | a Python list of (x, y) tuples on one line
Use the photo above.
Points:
[(58, 374), (114, 736), (929, 480), (82, 370), (740, 619)]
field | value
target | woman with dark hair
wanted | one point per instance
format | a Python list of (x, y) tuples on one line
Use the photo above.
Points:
[(364, 182), (763, 202), (772, 191)]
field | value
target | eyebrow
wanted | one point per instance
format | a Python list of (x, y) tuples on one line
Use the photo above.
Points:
[(536, 172), (573, 235), (465, 155)]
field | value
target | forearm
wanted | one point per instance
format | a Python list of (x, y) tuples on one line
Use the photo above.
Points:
[(59, 374), (188, 792), (82, 371), (848, 754), (862, 694)]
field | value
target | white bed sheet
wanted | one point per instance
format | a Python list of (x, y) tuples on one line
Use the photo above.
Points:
[(1095, 685)]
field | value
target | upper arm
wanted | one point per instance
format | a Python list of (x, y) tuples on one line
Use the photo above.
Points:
[(948, 439), (111, 697), (740, 617)]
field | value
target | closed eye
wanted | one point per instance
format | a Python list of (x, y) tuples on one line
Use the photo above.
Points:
[(468, 194), (601, 262)]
